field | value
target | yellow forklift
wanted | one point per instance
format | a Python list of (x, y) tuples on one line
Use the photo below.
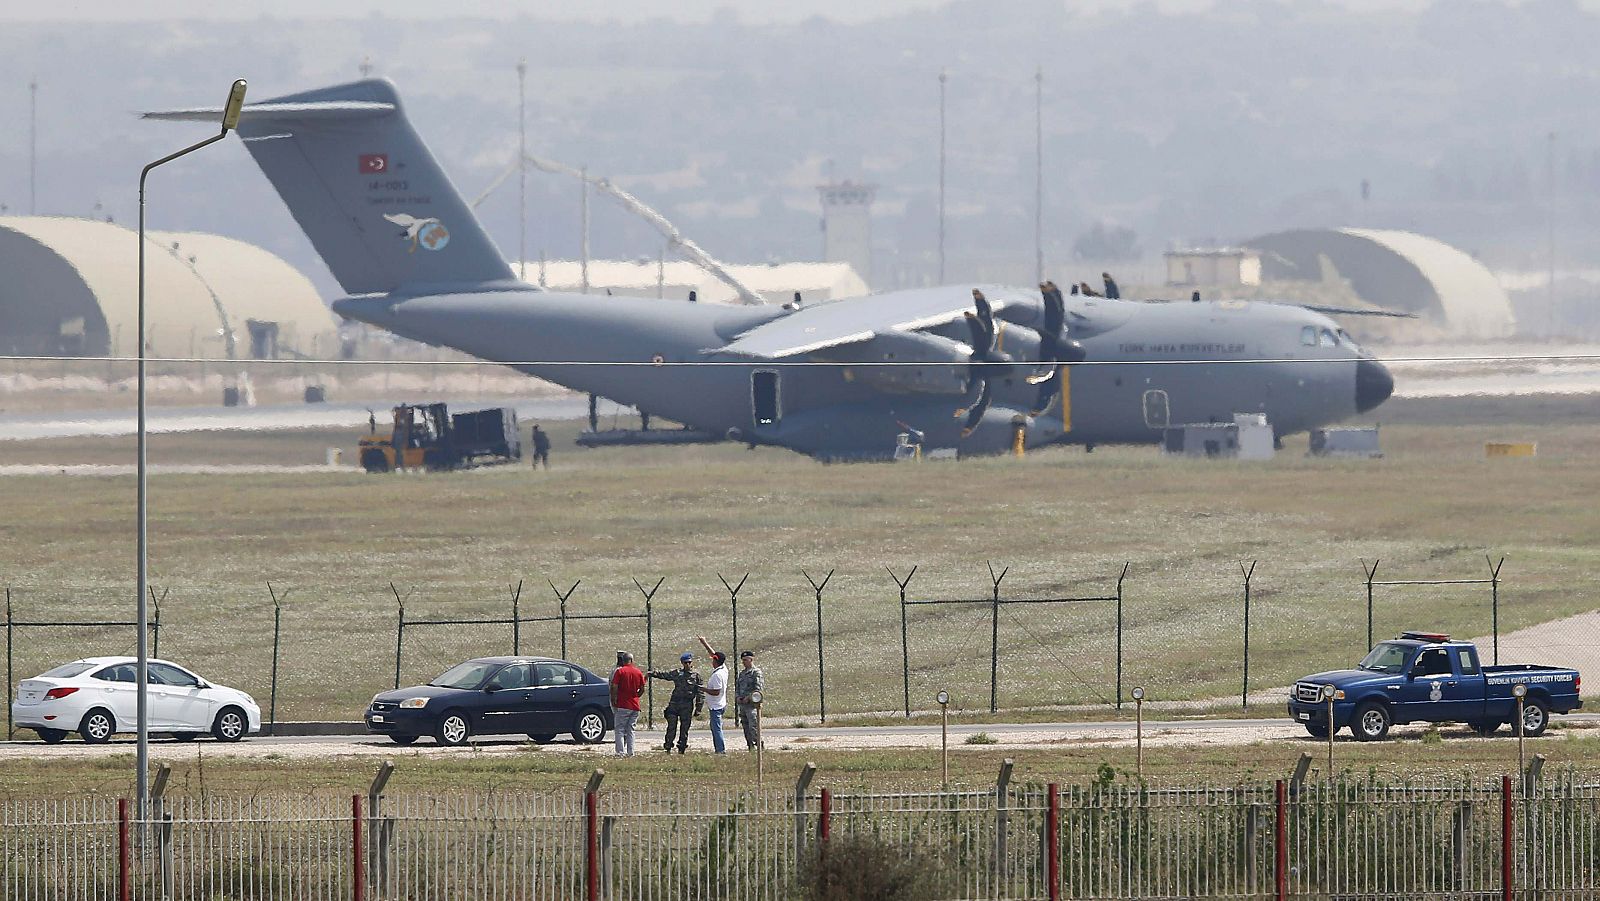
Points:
[(428, 437)]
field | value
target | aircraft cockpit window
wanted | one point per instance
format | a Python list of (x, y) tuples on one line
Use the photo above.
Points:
[(1344, 338), (1328, 340), (1308, 336)]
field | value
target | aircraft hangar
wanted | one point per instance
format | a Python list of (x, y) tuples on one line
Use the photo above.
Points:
[(71, 288), (1396, 270)]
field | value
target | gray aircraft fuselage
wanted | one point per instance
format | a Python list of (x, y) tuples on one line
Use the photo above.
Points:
[(1148, 365)]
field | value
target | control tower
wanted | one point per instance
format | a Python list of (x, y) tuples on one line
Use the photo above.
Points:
[(847, 225)]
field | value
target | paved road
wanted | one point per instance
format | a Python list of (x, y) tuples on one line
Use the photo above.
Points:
[(1195, 732)]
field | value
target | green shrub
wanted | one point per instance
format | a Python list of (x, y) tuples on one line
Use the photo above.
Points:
[(867, 868)]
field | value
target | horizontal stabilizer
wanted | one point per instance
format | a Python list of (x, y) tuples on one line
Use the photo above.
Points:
[(327, 109)]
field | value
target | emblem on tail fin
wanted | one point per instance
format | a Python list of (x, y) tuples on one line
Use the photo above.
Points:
[(429, 233)]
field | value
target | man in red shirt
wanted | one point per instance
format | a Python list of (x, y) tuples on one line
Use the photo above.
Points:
[(627, 684)]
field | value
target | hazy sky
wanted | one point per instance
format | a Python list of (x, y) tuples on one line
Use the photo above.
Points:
[(588, 10)]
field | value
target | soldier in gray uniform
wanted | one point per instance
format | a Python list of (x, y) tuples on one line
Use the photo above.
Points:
[(685, 703), (746, 683)]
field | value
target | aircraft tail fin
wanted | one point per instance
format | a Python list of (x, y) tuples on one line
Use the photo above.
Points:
[(365, 188)]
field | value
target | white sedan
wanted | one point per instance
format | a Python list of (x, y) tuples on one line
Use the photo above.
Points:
[(96, 697)]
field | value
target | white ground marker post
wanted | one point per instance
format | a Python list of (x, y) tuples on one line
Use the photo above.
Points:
[(944, 738), (1138, 729), (1328, 693), (1520, 692)]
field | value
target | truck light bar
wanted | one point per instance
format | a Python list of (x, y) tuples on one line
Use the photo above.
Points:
[(1426, 636)]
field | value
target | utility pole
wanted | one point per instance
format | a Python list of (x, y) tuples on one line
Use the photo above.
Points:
[(1038, 179), (33, 146), (942, 79), (1550, 186), (366, 67), (584, 255), (522, 169)]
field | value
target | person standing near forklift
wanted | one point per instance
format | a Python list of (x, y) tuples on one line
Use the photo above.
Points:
[(541, 447)]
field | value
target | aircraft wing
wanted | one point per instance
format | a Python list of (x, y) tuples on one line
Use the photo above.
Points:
[(859, 320)]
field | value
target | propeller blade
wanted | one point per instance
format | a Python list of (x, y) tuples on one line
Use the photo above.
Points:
[(975, 415)]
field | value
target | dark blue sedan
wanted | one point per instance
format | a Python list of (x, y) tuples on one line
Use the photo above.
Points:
[(536, 696)]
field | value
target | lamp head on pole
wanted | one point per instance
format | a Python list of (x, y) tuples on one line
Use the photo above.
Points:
[(230, 113), (1138, 694), (1519, 690)]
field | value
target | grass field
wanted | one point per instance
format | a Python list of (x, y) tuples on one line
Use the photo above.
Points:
[(1062, 520)]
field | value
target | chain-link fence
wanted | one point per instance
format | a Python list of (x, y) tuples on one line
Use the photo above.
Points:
[(825, 650)]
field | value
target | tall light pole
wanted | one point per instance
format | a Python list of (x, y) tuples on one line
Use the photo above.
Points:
[(1038, 175), (522, 169), (942, 79), (33, 146), (1550, 187), (230, 118)]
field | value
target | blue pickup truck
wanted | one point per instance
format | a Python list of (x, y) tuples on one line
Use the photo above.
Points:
[(1424, 677)]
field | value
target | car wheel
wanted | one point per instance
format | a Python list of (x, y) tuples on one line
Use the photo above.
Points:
[(97, 726), (51, 736), (1485, 729), (591, 729), (230, 724), (542, 738), (1535, 717), (185, 736), (402, 739), (1317, 730), (453, 729), (1371, 723)]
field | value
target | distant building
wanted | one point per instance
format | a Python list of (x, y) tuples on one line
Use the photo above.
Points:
[(1209, 267), (776, 283), (847, 224), (71, 287)]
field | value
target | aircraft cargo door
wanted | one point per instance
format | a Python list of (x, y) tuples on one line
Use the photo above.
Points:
[(765, 404)]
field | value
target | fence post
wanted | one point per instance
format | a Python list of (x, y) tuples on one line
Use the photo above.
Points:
[(1494, 589), (591, 834), (1372, 573), (807, 773), (1052, 841), (649, 651), (10, 726), (358, 862), (158, 801), (1252, 828), (905, 644), (516, 619), (1120, 577), (822, 690), (733, 599), (825, 820), (994, 636), (277, 623), (1244, 691), (1461, 836), (378, 850), (1280, 827), (563, 599), (122, 850), (399, 631), (1506, 837), (1002, 820), (155, 624)]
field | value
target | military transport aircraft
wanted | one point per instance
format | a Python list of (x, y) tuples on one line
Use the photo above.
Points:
[(980, 369)]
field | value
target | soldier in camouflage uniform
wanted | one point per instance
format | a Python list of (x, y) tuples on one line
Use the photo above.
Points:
[(685, 703), (747, 683)]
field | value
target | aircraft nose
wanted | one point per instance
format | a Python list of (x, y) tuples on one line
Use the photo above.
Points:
[(1374, 384)]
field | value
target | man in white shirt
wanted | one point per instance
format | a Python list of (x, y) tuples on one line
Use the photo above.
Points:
[(716, 692)]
